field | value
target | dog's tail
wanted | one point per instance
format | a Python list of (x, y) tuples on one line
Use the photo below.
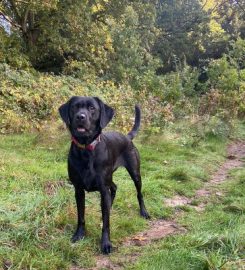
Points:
[(136, 126)]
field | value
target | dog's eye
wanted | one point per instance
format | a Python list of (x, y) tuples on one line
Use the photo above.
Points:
[(91, 108)]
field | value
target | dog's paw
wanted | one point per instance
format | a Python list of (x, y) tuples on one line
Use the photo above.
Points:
[(145, 214), (106, 247), (78, 235)]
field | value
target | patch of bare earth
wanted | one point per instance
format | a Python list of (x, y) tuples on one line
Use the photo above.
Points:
[(159, 229), (177, 200)]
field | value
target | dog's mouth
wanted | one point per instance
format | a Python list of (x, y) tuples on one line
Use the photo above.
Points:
[(81, 130)]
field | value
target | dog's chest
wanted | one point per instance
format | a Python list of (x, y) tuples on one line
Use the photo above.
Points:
[(82, 172)]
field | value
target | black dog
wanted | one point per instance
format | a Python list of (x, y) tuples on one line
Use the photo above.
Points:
[(94, 156)]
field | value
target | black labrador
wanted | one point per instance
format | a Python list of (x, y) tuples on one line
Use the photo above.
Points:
[(94, 156)]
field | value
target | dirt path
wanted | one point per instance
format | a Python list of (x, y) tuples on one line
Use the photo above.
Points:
[(158, 229), (235, 152)]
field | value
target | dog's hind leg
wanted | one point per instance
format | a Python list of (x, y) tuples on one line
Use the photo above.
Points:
[(113, 190), (132, 164), (137, 181)]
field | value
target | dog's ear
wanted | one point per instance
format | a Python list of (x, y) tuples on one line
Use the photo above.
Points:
[(106, 113), (64, 111)]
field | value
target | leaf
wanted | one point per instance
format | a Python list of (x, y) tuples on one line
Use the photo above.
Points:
[(139, 238)]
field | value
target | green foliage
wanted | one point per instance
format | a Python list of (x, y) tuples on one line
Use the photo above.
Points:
[(131, 62), (173, 96), (120, 40), (11, 51), (237, 53), (222, 75), (28, 99), (180, 84), (218, 126), (173, 87), (182, 32), (126, 45)]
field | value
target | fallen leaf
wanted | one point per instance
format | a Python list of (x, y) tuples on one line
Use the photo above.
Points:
[(139, 238)]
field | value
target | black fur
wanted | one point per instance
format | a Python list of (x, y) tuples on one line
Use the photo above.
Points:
[(85, 117)]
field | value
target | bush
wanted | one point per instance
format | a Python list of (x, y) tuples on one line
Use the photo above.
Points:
[(237, 53), (223, 76), (30, 100)]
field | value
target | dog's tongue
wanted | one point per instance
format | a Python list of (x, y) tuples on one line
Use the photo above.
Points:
[(81, 129)]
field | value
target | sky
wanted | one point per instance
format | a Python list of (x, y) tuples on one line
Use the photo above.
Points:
[(6, 25)]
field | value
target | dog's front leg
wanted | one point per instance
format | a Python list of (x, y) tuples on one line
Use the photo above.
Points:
[(106, 246), (80, 201)]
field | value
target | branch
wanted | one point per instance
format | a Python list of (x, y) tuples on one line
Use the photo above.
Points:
[(24, 20), (21, 1), (18, 17)]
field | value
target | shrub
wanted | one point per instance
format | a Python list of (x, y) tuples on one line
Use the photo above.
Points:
[(30, 100), (237, 53), (222, 75)]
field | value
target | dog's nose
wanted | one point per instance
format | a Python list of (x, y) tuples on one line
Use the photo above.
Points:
[(81, 116)]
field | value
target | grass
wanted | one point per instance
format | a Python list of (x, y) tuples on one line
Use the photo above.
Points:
[(215, 238), (38, 215)]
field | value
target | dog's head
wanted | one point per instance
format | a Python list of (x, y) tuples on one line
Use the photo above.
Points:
[(85, 116)]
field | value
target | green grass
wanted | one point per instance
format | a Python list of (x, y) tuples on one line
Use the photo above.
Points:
[(38, 214), (215, 238)]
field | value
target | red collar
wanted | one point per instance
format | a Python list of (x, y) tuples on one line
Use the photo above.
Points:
[(89, 147)]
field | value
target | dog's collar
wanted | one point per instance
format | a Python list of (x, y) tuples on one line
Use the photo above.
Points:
[(89, 147)]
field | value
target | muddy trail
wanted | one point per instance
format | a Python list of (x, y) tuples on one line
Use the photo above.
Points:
[(235, 153), (159, 229)]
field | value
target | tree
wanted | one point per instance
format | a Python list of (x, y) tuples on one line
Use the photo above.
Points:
[(25, 16), (183, 27), (133, 35), (54, 32)]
